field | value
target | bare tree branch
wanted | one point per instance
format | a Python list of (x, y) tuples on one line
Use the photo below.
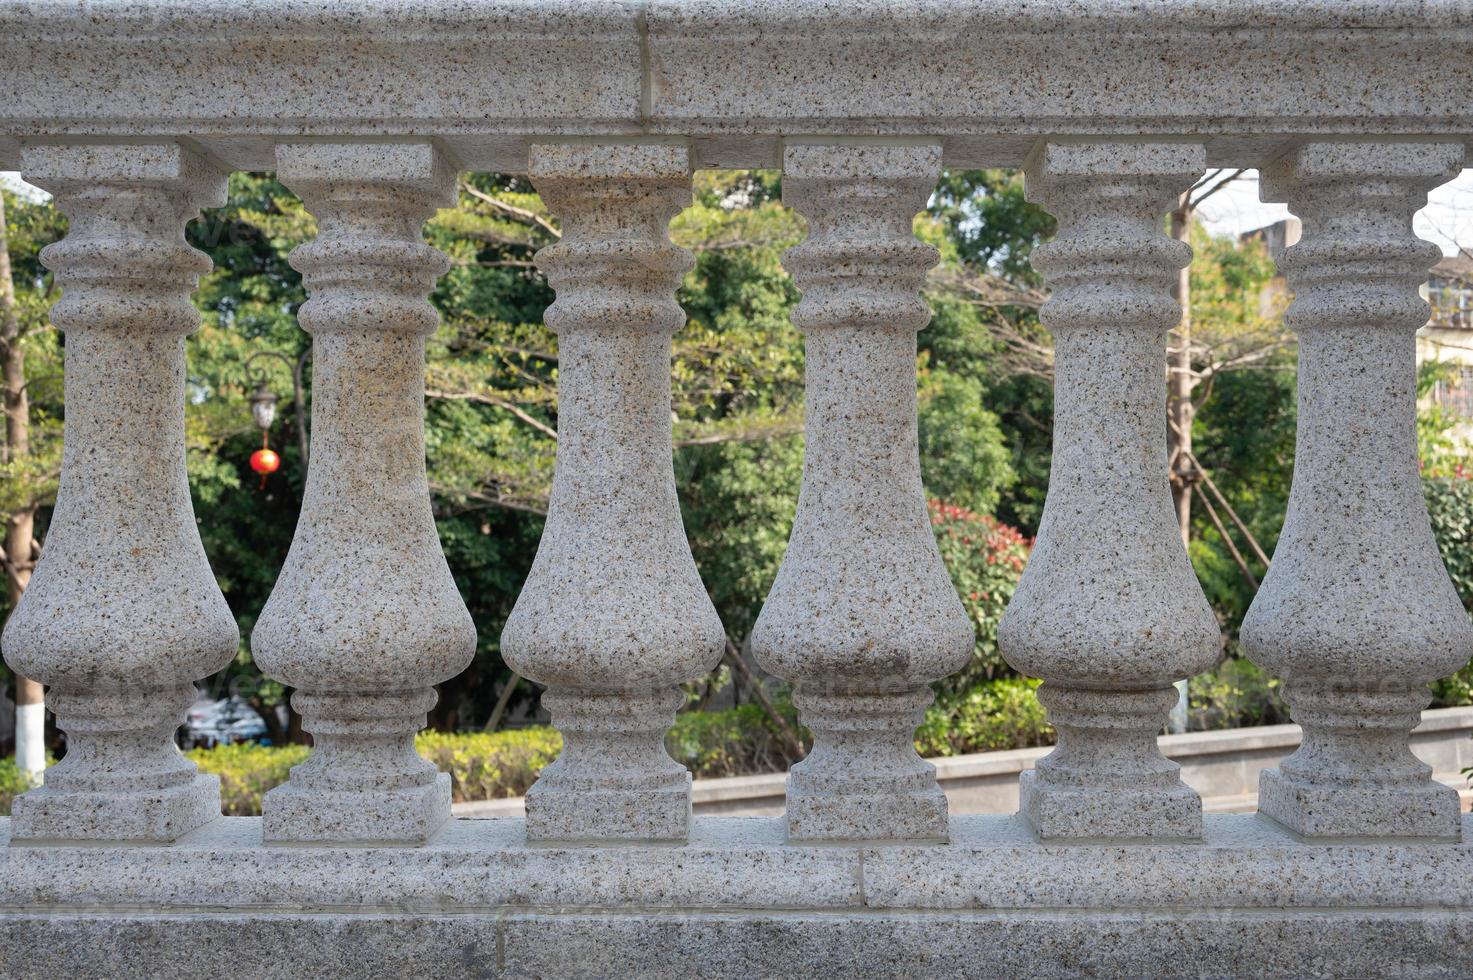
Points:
[(1194, 204), (482, 399), (745, 435), (512, 211)]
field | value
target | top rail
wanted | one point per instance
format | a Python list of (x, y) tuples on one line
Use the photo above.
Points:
[(486, 77)]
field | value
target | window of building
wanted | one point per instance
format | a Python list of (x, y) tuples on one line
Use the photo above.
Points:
[(1451, 301), (1456, 394)]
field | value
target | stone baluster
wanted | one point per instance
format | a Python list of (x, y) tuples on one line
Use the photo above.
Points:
[(862, 616), (123, 613), (613, 615), (365, 617), (1108, 611), (1357, 613)]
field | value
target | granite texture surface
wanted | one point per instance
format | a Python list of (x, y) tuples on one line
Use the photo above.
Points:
[(485, 77), (1357, 613), (613, 615), (1108, 610), (480, 900), (365, 616), (122, 615)]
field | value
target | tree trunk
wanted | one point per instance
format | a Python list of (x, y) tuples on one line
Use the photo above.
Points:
[(1179, 417), (1180, 384), (20, 525)]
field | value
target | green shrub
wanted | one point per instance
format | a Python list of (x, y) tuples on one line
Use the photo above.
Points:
[(247, 770), (491, 765), (735, 742), (1449, 493), (1237, 694), (13, 782), (482, 765), (1450, 506), (985, 558), (1001, 714)]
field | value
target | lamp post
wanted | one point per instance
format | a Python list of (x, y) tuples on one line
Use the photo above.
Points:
[(263, 409)]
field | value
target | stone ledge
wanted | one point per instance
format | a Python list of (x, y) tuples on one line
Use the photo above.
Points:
[(484, 76), (993, 862), (737, 946), (738, 901)]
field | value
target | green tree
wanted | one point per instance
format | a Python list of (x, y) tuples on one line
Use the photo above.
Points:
[(30, 382)]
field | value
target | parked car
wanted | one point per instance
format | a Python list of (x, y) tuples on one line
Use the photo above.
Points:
[(223, 722)]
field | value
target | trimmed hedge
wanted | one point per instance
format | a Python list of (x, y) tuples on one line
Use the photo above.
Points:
[(735, 742), (482, 765), (1004, 714)]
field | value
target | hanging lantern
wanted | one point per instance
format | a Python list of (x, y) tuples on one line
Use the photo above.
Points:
[(265, 461)]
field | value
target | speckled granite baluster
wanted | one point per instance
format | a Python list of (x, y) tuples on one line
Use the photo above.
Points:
[(613, 615), (862, 616), (123, 613), (1108, 611), (365, 617), (1357, 613)]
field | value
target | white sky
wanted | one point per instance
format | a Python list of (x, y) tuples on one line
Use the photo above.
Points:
[(1447, 219)]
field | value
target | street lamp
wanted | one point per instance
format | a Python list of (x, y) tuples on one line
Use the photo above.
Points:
[(263, 406), (263, 410)]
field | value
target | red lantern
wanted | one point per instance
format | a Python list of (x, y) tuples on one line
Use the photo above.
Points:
[(265, 461)]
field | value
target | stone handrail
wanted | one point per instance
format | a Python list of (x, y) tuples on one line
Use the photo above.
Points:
[(132, 115)]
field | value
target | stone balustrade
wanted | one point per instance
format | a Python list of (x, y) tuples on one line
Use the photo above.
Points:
[(133, 114)]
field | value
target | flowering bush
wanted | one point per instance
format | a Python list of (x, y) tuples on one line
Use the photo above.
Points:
[(985, 558)]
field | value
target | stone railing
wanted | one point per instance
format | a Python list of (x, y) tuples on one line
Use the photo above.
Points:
[(132, 115)]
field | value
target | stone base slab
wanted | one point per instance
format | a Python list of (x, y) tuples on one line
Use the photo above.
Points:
[(1249, 900), (559, 814), (1432, 811), (877, 817), (1109, 812), (151, 816), (299, 814)]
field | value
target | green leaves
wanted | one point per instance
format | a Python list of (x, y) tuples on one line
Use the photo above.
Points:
[(985, 558)]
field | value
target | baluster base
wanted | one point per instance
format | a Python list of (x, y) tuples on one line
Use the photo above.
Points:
[(614, 780), (364, 783), (1107, 779), (1354, 773), (1430, 811), (1109, 812), (887, 816), (295, 814), (657, 814), (863, 780), (123, 778), (152, 816)]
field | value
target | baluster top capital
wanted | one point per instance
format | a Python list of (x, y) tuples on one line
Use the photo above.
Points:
[(1086, 165), (413, 165), (1423, 165), (68, 168)]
